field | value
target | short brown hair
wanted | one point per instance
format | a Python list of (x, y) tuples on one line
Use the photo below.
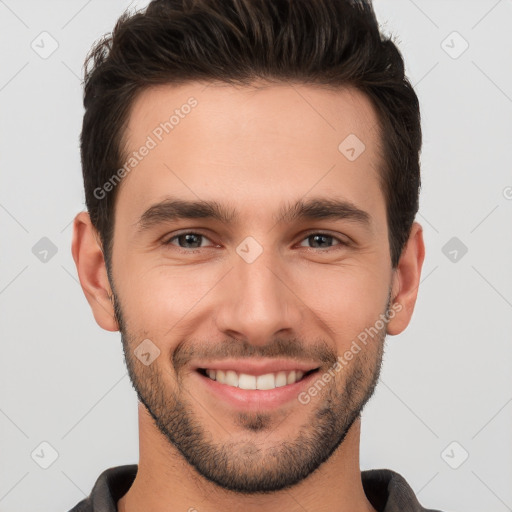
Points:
[(336, 43)]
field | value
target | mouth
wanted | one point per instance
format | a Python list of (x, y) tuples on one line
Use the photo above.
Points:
[(248, 381), (253, 389)]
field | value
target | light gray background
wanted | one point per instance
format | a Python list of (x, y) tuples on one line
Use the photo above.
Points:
[(446, 378)]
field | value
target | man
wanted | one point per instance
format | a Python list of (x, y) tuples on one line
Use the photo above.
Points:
[(281, 141)]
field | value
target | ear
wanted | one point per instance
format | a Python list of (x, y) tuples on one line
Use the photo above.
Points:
[(406, 279), (92, 271)]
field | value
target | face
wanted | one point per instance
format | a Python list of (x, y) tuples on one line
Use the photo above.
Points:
[(266, 283)]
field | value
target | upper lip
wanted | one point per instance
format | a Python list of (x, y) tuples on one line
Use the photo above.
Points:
[(258, 366)]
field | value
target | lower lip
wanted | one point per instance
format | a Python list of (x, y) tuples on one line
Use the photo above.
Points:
[(255, 399)]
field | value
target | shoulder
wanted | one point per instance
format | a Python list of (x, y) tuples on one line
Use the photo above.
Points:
[(388, 491), (110, 486)]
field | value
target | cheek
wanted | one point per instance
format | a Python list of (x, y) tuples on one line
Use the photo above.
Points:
[(347, 298), (342, 299), (163, 298)]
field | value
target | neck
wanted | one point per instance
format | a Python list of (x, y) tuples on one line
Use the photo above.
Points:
[(166, 482)]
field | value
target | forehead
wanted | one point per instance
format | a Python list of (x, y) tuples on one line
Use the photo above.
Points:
[(259, 110), (258, 143)]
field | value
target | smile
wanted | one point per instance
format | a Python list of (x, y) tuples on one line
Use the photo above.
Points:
[(255, 382)]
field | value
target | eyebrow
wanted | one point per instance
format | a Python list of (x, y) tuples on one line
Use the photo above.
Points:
[(173, 209)]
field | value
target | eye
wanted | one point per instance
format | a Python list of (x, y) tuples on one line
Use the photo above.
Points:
[(188, 240), (322, 240)]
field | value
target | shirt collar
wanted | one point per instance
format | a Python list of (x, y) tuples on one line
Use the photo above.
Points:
[(385, 489)]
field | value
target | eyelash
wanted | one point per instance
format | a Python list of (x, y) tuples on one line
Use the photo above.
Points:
[(308, 235)]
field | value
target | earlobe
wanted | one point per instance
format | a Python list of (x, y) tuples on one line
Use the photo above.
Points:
[(92, 271), (406, 281)]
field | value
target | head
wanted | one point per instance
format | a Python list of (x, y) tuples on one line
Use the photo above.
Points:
[(282, 142)]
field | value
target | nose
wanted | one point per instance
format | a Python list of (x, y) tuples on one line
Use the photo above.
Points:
[(258, 303)]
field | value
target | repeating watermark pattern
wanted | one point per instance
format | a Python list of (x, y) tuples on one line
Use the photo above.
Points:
[(44, 250), (343, 360), (454, 249), (454, 45), (455, 455), (44, 455), (352, 147), (152, 141), (146, 352), (44, 45), (44, 52), (249, 249)]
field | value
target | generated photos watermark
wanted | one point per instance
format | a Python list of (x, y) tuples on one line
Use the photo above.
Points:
[(152, 141), (369, 332)]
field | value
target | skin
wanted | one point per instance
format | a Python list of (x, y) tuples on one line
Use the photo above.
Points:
[(253, 149)]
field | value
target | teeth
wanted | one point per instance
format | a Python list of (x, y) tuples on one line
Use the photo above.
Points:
[(231, 378), (245, 381), (262, 382), (281, 379), (267, 381)]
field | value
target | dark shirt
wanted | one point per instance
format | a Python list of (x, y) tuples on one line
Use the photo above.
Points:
[(386, 490)]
